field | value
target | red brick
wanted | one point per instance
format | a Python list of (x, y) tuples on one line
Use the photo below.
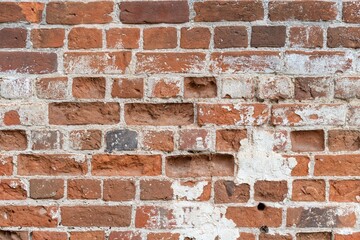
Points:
[(126, 165), (96, 62), (128, 88), (10, 235), (343, 140), (159, 114), (350, 236), (83, 189), (307, 141), (194, 139), (350, 11), (42, 235), (302, 166), (306, 37), (85, 139), (72, 13), (153, 217), (46, 140), (245, 61), (13, 140), (197, 37), (230, 192), (317, 217), (159, 140), (28, 62), (152, 62), (6, 165), (252, 217), (98, 216), (214, 11), (230, 37), (163, 236), (232, 114), (302, 10), (306, 114), (270, 191), (344, 190), (11, 117), (30, 12), (51, 164), (93, 235), (28, 216), (229, 139), (160, 38), (48, 38), (202, 165), (166, 87), (314, 235), (143, 12), (309, 88), (308, 190), (119, 190), (51, 88), (337, 165), (268, 36), (155, 190), (343, 37), (89, 87), (200, 87), (46, 188), (125, 235), (123, 38), (73, 113), (276, 236), (13, 38), (84, 38), (12, 189)]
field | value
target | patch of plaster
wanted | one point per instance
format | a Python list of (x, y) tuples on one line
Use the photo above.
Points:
[(258, 161), (188, 192)]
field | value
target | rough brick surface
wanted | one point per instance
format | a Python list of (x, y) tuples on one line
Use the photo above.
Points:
[(179, 120)]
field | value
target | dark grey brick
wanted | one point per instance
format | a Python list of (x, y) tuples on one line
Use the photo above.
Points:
[(119, 140)]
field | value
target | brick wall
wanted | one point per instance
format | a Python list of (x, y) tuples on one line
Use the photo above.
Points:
[(198, 120)]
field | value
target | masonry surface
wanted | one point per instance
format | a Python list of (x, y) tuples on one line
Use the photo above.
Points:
[(179, 120)]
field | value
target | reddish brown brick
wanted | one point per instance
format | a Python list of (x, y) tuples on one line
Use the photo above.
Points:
[(308, 190), (229, 192), (119, 190), (72, 13), (106, 216), (204, 165), (272, 191), (89, 87), (307, 141), (160, 38), (48, 38), (13, 140), (30, 12), (214, 11), (123, 38), (268, 36), (197, 37), (159, 140), (83, 189), (46, 188), (143, 12), (128, 88), (230, 37), (13, 38), (126, 165), (156, 190)]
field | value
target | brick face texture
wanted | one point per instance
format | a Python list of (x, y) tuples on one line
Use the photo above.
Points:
[(179, 120)]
